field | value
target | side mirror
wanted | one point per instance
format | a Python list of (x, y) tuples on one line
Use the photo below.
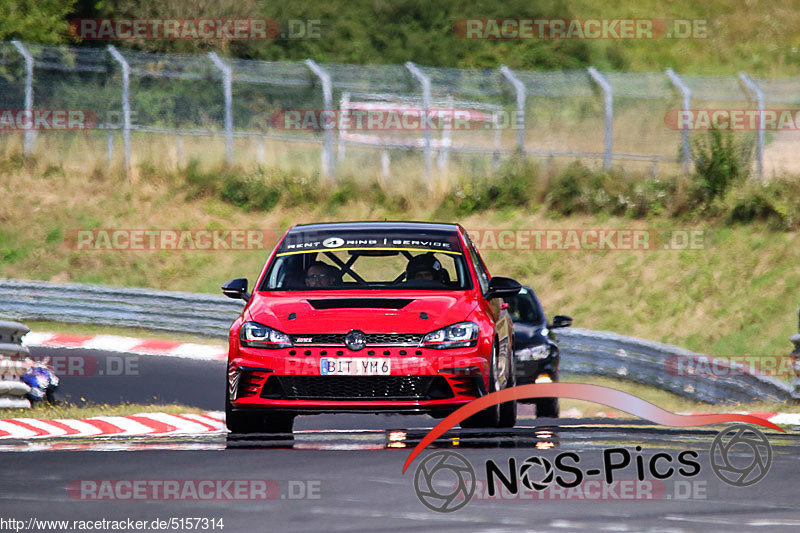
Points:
[(500, 287), (236, 289), (561, 321)]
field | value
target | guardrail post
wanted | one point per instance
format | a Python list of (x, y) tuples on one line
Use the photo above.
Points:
[(327, 100), (126, 105), (30, 133), (753, 86), (426, 107), (687, 96), (609, 107), (13, 392), (228, 91), (522, 94)]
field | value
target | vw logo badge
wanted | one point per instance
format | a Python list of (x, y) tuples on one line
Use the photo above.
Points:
[(355, 340)]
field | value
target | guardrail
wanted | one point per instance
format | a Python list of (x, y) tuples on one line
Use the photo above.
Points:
[(199, 314), (585, 352), (12, 367), (655, 364)]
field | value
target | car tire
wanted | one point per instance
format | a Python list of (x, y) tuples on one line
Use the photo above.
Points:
[(257, 422), (490, 417), (508, 410), (547, 408)]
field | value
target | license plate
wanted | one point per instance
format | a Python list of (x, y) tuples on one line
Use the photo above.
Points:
[(354, 366)]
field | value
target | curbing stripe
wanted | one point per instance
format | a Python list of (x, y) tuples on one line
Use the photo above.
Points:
[(115, 343)]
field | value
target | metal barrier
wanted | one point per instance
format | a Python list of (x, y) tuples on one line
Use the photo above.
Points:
[(585, 352), (12, 367)]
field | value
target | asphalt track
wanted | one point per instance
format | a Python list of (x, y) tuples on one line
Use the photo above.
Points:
[(352, 466)]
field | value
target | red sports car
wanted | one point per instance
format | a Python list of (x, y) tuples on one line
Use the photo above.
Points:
[(376, 317)]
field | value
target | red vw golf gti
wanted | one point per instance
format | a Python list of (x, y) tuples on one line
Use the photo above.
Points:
[(369, 317)]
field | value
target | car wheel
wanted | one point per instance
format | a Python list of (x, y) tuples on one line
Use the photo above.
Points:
[(547, 408), (257, 422), (508, 410), (488, 418)]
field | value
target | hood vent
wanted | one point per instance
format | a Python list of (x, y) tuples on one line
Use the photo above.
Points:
[(360, 303)]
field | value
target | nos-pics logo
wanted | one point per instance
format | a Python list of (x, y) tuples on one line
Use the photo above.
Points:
[(445, 481)]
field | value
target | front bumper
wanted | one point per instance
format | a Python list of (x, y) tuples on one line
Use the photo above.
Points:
[(421, 380)]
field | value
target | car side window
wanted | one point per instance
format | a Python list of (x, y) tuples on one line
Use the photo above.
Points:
[(483, 277)]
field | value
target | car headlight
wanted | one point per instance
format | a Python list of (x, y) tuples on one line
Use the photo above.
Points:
[(255, 335), (533, 353), (461, 335)]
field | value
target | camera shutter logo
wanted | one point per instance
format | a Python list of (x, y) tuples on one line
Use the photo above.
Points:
[(525, 470), (740, 471), (450, 466)]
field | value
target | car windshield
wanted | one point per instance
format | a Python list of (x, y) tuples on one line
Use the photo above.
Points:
[(522, 308), (368, 262)]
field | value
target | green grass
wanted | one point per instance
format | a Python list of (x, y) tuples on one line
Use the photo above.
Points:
[(72, 411)]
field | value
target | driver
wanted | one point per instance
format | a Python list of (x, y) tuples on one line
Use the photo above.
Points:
[(424, 266), (321, 275)]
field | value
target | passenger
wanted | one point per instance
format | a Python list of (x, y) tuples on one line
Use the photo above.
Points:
[(425, 267), (321, 275)]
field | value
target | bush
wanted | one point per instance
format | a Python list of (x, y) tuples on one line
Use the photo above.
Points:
[(776, 203), (720, 160), (513, 185), (579, 189), (249, 192)]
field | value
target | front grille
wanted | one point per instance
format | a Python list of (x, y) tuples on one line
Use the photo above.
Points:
[(321, 338), (394, 338), (362, 387), (399, 339)]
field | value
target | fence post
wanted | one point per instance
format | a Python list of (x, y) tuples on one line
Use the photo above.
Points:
[(426, 107), (327, 100), (447, 135), (519, 88), (126, 105), (344, 111), (753, 86), (110, 146), (609, 105), (228, 91), (687, 96), (30, 133)]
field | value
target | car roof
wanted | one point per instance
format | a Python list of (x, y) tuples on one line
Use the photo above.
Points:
[(434, 227)]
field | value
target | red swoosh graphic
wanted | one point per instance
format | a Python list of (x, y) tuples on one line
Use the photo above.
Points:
[(581, 391)]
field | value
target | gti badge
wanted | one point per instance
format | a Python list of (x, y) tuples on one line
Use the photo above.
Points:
[(355, 340)]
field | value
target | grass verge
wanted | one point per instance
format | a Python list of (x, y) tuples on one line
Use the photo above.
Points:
[(88, 410)]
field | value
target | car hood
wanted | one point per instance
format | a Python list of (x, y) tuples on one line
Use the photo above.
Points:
[(526, 334), (311, 312)]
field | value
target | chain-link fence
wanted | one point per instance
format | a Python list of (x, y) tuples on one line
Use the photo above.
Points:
[(172, 108)]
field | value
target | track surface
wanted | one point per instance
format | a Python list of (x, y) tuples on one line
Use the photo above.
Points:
[(360, 481)]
